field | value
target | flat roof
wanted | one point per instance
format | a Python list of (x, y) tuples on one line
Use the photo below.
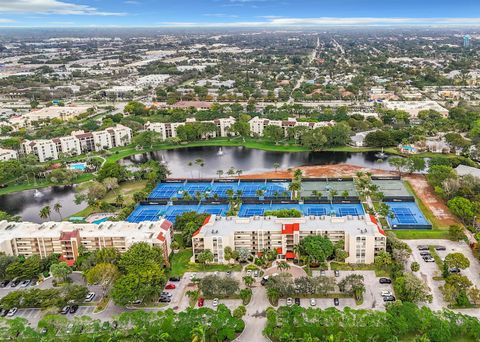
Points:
[(354, 225)]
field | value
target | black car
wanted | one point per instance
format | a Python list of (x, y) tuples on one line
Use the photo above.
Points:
[(425, 254), (389, 298), (422, 248), (385, 281), (454, 270), (114, 324), (263, 282), (65, 310), (3, 312), (14, 283), (440, 248), (73, 308), (337, 273), (164, 300), (297, 301), (4, 283), (336, 301), (174, 279)]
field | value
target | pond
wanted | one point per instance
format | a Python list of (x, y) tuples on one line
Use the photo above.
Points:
[(28, 204), (250, 161)]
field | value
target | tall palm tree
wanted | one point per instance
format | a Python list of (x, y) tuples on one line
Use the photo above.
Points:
[(45, 212), (57, 207), (220, 173), (276, 166)]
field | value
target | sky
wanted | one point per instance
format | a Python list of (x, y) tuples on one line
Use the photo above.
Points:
[(238, 13)]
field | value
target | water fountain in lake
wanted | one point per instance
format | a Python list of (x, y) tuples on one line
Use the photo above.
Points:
[(37, 194), (220, 152)]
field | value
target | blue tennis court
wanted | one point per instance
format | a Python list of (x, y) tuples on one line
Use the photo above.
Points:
[(249, 210), (170, 212), (407, 215), (220, 190)]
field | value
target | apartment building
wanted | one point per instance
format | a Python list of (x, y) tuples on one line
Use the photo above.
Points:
[(44, 149), (65, 238), (169, 130), (257, 125), (6, 154), (362, 236), (78, 142)]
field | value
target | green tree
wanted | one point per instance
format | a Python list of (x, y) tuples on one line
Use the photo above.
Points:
[(112, 170), (205, 257), (103, 274), (318, 248), (45, 212), (60, 271), (456, 233), (141, 256), (409, 288), (463, 208), (457, 260), (57, 207)]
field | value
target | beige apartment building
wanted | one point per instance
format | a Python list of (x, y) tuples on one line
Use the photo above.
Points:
[(169, 130), (362, 236), (78, 142), (257, 125), (6, 154), (65, 238)]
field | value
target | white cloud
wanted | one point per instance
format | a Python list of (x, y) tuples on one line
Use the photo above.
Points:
[(274, 21), (4, 20), (50, 7), (132, 2), (221, 15)]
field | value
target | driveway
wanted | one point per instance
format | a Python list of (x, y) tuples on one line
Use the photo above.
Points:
[(255, 318)]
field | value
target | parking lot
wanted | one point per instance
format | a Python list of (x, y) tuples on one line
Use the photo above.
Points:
[(429, 270)]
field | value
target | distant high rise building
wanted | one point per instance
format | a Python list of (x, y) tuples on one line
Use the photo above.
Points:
[(466, 41)]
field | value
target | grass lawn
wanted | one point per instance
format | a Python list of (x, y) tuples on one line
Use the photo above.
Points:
[(425, 210), (421, 234), (341, 266), (180, 263)]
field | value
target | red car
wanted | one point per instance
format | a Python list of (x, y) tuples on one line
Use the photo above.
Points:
[(170, 287), (200, 302)]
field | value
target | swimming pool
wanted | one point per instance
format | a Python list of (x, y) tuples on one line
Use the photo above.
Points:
[(78, 166)]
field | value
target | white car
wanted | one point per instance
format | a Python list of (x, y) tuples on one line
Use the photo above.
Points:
[(12, 312), (215, 302), (386, 293), (25, 283), (289, 301), (249, 273), (313, 302), (193, 276), (89, 297)]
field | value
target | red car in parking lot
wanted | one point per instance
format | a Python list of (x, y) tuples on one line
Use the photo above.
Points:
[(170, 287), (201, 301)]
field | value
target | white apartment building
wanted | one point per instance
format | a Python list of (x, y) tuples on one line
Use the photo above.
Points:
[(44, 149), (415, 107), (169, 130), (362, 236), (64, 238), (257, 125), (7, 154), (79, 142)]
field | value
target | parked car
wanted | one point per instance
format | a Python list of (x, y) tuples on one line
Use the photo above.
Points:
[(385, 281), (313, 302), (174, 278), (454, 270), (256, 273), (73, 308), (249, 273), (322, 273), (165, 299), (425, 254), (337, 273), (65, 310), (25, 283), (229, 273), (386, 293), (440, 248), (114, 324), (89, 297), (389, 299), (4, 283), (44, 331), (12, 312), (215, 302), (14, 283), (170, 287), (428, 259), (336, 301), (289, 301), (297, 301), (137, 302), (3, 312), (422, 248), (200, 302), (166, 294)]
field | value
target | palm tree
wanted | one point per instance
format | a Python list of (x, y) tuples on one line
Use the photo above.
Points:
[(198, 334), (45, 212), (239, 172), (220, 173), (276, 166), (259, 193), (57, 207), (283, 266)]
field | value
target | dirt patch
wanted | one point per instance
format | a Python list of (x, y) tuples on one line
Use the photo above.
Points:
[(336, 170), (436, 205)]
